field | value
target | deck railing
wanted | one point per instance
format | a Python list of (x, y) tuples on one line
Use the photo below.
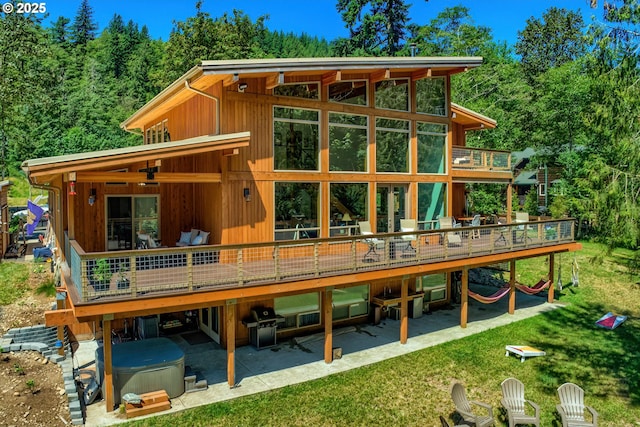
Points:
[(480, 159), (130, 274)]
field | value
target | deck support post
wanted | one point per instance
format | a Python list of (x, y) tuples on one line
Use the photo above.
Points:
[(108, 366), (230, 322), (512, 286), (464, 298), (551, 278), (327, 311), (404, 310)]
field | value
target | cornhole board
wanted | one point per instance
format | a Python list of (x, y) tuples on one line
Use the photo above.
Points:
[(523, 351)]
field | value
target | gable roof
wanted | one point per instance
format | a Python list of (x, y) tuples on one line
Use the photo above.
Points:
[(207, 73)]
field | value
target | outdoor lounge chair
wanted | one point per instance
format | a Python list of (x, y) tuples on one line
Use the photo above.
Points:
[(444, 423), (464, 408), (475, 222), (448, 223), (373, 242), (572, 407), (409, 225), (514, 402)]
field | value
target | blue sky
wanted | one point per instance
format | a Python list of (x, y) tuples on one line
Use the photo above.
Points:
[(317, 18)]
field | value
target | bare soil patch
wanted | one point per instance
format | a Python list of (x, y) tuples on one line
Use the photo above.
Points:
[(31, 387)]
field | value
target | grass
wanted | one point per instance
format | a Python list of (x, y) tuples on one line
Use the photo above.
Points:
[(413, 390), (14, 278)]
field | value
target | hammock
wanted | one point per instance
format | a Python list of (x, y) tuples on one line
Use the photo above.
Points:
[(538, 287), (491, 298)]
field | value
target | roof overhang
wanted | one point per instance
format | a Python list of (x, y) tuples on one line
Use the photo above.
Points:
[(43, 170), (277, 70), (469, 119)]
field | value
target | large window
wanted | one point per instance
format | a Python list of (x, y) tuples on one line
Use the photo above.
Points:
[(309, 90), (348, 142), (350, 302), (296, 210), (392, 145), (298, 310), (348, 204), (432, 142), (129, 215), (431, 203), (431, 96), (295, 138), (393, 94), (349, 92)]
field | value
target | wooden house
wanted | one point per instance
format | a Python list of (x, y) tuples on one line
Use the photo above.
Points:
[(244, 209)]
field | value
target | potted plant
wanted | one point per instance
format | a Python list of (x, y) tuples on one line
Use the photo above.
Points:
[(123, 280), (101, 277)]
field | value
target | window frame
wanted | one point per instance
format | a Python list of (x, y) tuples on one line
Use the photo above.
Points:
[(407, 132), (339, 125), (317, 123)]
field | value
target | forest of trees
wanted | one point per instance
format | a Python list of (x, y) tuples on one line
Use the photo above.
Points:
[(567, 88)]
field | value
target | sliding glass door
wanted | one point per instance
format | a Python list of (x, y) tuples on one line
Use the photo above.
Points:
[(129, 215)]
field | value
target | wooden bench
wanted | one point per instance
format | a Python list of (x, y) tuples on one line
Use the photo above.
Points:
[(150, 403)]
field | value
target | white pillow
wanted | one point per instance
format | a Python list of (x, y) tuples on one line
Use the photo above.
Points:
[(194, 233), (185, 237), (197, 240), (205, 237), (151, 242)]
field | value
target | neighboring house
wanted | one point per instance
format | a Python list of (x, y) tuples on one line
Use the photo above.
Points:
[(539, 178), (247, 199)]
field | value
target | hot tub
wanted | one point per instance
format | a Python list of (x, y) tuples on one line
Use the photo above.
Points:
[(143, 366)]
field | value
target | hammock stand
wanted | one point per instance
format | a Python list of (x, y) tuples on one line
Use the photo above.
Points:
[(491, 298), (538, 287)]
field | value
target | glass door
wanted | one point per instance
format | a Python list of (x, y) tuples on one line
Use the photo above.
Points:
[(129, 215), (391, 207), (210, 322)]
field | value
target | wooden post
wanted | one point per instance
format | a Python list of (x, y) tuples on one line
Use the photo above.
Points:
[(327, 311), (512, 287), (61, 305), (404, 310), (464, 298), (509, 203), (551, 278), (230, 321), (108, 366)]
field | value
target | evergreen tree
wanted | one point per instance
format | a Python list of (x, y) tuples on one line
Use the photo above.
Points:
[(84, 27)]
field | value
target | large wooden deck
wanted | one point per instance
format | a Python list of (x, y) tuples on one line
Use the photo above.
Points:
[(179, 270)]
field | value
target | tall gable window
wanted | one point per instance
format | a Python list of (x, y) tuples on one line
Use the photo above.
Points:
[(348, 142), (349, 92), (392, 145), (310, 90), (157, 133), (431, 96), (432, 142), (296, 139), (393, 94)]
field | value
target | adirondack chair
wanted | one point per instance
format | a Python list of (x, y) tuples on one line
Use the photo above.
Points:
[(373, 242), (572, 407), (514, 402), (409, 225), (448, 223), (464, 408)]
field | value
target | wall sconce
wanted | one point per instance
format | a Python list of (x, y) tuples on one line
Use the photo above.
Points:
[(247, 195), (92, 196), (242, 87)]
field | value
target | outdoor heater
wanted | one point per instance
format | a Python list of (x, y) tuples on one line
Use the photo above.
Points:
[(262, 325)]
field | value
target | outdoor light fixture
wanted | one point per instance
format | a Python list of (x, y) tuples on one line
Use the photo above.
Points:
[(247, 195), (92, 196), (242, 87)]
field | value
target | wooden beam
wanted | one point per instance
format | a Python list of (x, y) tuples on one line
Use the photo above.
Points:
[(327, 312), (421, 74), (464, 298), (551, 277), (331, 77), (274, 80), (379, 75), (404, 310), (108, 366), (140, 177), (59, 317), (230, 323), (230, 152), (512, 287)]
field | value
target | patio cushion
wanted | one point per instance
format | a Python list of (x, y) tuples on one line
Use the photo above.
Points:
[(197, 240), (205, 237), (185, 237), (194, 234)]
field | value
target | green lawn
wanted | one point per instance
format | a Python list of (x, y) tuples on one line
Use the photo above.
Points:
[(413, 390)]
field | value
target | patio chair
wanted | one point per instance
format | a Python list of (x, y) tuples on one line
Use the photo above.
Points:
[(522, 217), (475, 222), (464, 408), (515, 404), (448, 223), (445, 423), (373, 242), (572, 407), (409, 225)]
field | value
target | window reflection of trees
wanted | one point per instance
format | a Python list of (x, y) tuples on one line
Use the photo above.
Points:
[(348, 141), (295, 139), (432, 138), (392, 145), (431, 96), (296, 206), (348, 205), (349, 92), (393, 94)]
